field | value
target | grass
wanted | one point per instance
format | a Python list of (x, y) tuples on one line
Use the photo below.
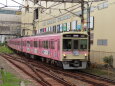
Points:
[(9, 79), (5, 49), (96, 71), (107, 73)]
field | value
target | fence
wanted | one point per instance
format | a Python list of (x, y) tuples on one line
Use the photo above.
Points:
[(97, 57)]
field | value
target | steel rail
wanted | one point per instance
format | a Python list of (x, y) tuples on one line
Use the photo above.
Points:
[(39, 80), (36, 69), (71, 74)]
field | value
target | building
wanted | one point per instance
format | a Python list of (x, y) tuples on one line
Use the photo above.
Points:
[(10, 24), (27, 18), (60, 17)]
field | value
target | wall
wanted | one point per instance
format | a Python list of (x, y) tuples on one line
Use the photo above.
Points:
[(27, 18), (104, 29)]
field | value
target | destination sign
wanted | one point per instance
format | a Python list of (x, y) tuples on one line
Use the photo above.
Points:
[(75, 35)]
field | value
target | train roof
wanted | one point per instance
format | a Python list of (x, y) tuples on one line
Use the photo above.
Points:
[(56, 34)]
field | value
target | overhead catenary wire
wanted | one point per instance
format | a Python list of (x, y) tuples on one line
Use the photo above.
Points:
[(18, 3), (61, 14), (2, 4)]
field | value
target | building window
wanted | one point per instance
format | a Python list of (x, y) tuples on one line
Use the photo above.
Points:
[(102, 5), (102, 42), (27, 8), (36, 13), (36, 1)]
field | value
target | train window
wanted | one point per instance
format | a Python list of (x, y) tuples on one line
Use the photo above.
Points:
[(35, 44), (43, 44), (58, 45), (76, 44), (40, 44), (49, 44), (31, 44), (46, 44), (67, 44), (52, 44), (18, 43), (28, 43), (83, 44), (24, 43)]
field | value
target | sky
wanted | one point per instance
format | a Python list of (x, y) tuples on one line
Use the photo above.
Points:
[(10, 3)]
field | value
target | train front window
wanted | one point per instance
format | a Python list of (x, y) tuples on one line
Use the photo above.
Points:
[(76, 44), (67, 43), (83, 44)]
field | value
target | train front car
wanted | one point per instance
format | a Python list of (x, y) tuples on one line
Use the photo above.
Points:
[(75, 50)]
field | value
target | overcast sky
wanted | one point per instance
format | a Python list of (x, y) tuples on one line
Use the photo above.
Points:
[(10, 3)]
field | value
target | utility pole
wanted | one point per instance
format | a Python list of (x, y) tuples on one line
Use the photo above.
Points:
[(82, 14), (88, 25), (88, 31)]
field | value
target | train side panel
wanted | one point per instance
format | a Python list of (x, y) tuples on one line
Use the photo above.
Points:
[(45, 46)]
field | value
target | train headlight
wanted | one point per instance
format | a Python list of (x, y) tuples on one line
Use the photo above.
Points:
[(64, 55), (85, 54)]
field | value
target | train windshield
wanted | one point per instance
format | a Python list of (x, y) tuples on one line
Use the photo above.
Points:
[(74, 44), (67, 44), (83, 44)]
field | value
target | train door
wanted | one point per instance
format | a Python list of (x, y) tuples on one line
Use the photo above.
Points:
[(40, 47), (24, 48), (35, 46), (54, 49), (31, 45), (45, 48), (76, 44), (58, 49)]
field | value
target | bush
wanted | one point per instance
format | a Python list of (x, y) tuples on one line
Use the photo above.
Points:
[(5, 49), (108, 60), (2, 44)]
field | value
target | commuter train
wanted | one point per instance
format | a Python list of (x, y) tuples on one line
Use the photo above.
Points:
[(68, 49)]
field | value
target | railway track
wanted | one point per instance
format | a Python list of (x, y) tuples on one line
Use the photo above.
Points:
[(85, 77), (54, 73), (39, 75)]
